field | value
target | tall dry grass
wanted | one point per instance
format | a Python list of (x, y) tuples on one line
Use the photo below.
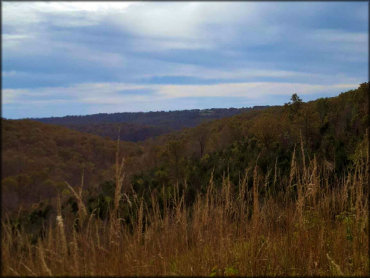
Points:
[(313, 227)]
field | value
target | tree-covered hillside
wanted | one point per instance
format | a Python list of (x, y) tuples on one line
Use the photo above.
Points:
[(331, 129), (127, 131), (38, 158)]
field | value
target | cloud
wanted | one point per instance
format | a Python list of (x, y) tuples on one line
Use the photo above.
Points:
[(104, 93), (178, 25), (9, 73), (138, 55), (13, 95), (180, 20), (15, 41), (79, 13), (114, 93), (339, 41), (206, 73), (337, 36), (248, 90)]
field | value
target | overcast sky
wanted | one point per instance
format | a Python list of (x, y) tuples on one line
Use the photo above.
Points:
[(73, 58)]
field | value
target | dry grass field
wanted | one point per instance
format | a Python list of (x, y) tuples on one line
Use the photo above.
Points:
[(313, 225)]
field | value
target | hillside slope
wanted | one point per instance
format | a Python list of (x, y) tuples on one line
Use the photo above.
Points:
[(127, 131), (37, 158), (331, 129)]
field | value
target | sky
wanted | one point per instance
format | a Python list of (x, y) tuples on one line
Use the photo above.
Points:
[(78, 58)]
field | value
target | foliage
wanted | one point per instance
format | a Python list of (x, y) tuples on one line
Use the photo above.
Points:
[(38, 158)]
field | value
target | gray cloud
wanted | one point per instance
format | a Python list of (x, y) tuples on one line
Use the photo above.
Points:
[(178, 49)]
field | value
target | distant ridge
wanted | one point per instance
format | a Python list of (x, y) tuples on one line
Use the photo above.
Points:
[(138, 126), (143, 117)]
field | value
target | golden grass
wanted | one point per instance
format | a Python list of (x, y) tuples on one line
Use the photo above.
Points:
[(322, 230)]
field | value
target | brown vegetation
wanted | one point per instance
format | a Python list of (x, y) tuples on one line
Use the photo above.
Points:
[(316, 226)]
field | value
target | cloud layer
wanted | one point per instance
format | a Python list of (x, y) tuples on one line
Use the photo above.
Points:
[(85, 57)]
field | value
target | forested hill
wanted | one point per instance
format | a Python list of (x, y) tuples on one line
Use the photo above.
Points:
[(142, 125), (331, 129), (37, 158)]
